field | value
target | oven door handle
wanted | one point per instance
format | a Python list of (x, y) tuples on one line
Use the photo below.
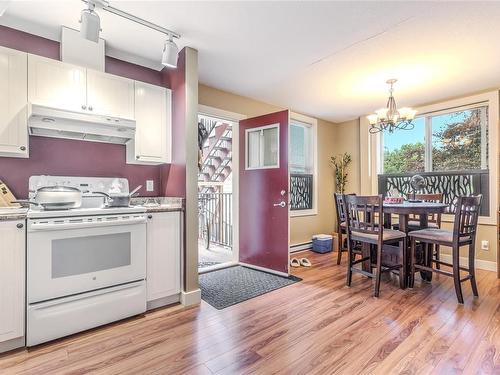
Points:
[(84, 224)]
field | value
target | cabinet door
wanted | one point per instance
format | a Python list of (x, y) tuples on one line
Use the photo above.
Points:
[(55, 84), (163, 255), (13, 103), (110, 95), (12, 276), (153, 123)]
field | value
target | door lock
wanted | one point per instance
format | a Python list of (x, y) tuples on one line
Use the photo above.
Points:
[(280, 204)]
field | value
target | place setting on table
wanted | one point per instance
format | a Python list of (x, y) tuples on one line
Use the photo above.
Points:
[(412, 244)]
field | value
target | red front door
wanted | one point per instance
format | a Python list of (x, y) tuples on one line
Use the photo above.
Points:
[(263, 192)]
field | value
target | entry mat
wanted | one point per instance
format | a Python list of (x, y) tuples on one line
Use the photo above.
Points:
[(229, 286)]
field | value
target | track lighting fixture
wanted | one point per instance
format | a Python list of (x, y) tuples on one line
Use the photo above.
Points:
[(91, 26), (170, 53), (90, 23)]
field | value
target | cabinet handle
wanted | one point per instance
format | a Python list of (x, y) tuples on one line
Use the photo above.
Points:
[(150, 216), (90, 108), (137, 157), (22, 148), (84, 107), (20, 225)]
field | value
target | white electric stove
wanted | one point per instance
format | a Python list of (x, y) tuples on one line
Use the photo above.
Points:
[(85, 266)]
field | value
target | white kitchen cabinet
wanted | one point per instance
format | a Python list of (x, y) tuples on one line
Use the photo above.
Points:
[(12, 276), (163, 257), (153, 116), (110, 95), (55, 84), (13, 103)]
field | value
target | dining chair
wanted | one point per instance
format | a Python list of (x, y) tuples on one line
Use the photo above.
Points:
[(463, 234), (362, 214), (341, 226)]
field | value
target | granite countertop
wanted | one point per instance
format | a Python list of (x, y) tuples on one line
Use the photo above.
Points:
[(12, 213), (159, 204)]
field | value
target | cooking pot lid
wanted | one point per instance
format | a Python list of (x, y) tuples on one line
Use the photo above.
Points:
[(59, 189)]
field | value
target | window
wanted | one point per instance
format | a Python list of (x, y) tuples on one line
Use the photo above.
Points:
[(404, 150), (453, 140), (262, 147), (449, 148), (302, 165)]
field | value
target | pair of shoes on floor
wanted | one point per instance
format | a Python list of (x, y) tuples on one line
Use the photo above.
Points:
[(304, 262)]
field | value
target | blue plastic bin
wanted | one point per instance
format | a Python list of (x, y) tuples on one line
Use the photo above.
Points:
[(322, 245)]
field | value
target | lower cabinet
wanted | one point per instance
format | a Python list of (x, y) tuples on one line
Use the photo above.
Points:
[(12, 283), (163, 258)]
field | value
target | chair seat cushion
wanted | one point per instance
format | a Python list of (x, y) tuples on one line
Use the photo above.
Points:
[(416, 224), (439, 235), (389, 235)]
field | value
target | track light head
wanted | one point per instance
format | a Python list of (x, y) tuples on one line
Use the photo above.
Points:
[(170, 53), (91, 23)]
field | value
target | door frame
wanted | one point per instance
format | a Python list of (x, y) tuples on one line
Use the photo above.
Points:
[(235, 119)]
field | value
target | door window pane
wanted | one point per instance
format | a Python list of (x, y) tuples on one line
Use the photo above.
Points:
[(270, 142), (253, 149), (459, 140), (404, 150), (262, 147)]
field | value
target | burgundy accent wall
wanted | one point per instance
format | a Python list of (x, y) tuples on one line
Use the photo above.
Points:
[(175, 185), (66, 157), (81, 158)]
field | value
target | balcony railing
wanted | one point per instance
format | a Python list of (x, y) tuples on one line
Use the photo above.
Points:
[(301, 192), (450, 184), (215, 218)]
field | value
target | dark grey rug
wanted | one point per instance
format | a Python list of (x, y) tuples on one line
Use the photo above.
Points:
[(229, 286)]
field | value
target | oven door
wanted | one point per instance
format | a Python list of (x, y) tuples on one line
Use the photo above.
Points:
[(67, 256)]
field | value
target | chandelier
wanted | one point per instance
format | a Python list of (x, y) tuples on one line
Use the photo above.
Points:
[(391, 118)]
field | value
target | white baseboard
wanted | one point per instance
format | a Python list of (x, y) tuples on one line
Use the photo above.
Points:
[(191, 298), (165, 301), (301, 247), (264, 269), (486, 265)]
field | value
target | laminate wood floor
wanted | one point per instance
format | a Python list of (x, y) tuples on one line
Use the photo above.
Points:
[(317, 326)]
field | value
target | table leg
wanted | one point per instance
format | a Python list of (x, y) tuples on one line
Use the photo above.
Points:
[(403, 227), (366, 265)]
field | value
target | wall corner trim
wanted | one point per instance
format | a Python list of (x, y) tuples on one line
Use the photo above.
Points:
[(191, 298)]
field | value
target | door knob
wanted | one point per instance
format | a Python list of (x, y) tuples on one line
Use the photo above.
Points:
[(280, 204)]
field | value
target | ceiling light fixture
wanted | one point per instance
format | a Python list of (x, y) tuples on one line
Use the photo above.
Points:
[(390, 118), (90, 23), (170, 53), (170, 49)]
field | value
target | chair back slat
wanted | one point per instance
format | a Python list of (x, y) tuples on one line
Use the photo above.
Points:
[(340, 209), (466, 217), (363, 213), (434, 197)]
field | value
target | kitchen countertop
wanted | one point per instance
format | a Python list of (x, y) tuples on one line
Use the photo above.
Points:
[(159, 204), (12, 213)]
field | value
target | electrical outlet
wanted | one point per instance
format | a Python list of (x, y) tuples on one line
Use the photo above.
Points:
[(150, 185), (485, 245)]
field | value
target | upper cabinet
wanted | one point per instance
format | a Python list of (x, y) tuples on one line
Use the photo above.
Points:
[(54, 84), (110, 95), (153, 116), (13, 103)]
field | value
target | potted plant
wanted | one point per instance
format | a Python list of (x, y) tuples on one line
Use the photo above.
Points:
[(340, 164)]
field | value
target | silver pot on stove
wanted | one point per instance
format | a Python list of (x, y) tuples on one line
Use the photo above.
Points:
[(118, 199), (55, 198)]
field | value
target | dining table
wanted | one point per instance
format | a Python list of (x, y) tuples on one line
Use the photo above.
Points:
[(403, 211)]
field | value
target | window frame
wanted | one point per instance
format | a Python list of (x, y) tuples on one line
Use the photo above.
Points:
[(428, 131), (313, 124), (261, 149)]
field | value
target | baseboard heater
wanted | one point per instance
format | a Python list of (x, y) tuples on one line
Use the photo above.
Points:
[(300, 247)]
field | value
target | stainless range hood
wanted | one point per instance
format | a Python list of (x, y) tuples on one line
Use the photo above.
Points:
[(58, 123)]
